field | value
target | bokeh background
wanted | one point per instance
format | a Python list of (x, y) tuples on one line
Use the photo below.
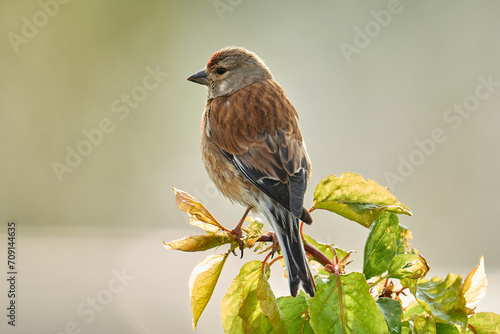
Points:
[(89, 239)]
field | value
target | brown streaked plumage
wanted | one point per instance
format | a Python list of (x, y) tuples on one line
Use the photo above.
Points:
[(253, 150)]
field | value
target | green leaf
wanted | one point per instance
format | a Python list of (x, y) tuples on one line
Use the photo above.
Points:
[(235, 297), (269, 305), (409, 283), (403, 241), (343, 304), (393, 312), (413, 310), (327, 250), (405, 327), (296, 314), (380, 246), (241, 309), (202, 283), (442, 328), (355, 198), (424, 324), (408, 266), (485, 323), (444, 299), (254, 319), (197, 243)]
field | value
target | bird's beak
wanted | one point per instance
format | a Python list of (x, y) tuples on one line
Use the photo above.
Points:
[(200, 77)]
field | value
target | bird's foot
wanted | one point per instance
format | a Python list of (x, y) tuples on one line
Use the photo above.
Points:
[(276, 246), (238, 232)]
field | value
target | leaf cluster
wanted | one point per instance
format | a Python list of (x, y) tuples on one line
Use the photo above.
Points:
[(390, 295)]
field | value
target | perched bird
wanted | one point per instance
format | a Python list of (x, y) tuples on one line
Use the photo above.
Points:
[(253, 150)]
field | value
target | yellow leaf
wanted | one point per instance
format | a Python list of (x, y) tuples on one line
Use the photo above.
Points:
[(197, 243), (475, 285), (202, 283), (355, 198), (199, 215), (204, 226)]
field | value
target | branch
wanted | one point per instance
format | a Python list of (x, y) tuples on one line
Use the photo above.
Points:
[(310, 249), (317, 254)]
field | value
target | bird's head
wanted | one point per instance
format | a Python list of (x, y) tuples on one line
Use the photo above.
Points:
[(231, 69)]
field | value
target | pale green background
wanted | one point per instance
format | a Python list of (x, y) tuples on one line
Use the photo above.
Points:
[(113, 211)]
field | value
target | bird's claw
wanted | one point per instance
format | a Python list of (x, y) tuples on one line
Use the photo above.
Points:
[(275, 247), (237, 231)]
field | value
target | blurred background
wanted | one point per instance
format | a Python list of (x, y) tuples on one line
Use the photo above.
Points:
[(98, 121)]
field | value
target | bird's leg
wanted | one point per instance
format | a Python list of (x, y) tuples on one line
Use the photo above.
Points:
[(238, 231)]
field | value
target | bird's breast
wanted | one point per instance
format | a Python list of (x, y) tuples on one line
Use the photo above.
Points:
[(231, 183)]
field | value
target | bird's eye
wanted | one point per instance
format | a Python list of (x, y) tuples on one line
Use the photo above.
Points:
[(221, 70)]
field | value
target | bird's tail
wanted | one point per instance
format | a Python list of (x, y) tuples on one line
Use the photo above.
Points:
[(286, 228)]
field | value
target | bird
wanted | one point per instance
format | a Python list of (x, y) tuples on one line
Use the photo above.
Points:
[(253, 150)]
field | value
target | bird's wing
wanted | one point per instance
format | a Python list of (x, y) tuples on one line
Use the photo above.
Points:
[(256, 129)]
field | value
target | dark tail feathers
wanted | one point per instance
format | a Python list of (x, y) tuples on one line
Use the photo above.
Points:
[(286, 227)]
